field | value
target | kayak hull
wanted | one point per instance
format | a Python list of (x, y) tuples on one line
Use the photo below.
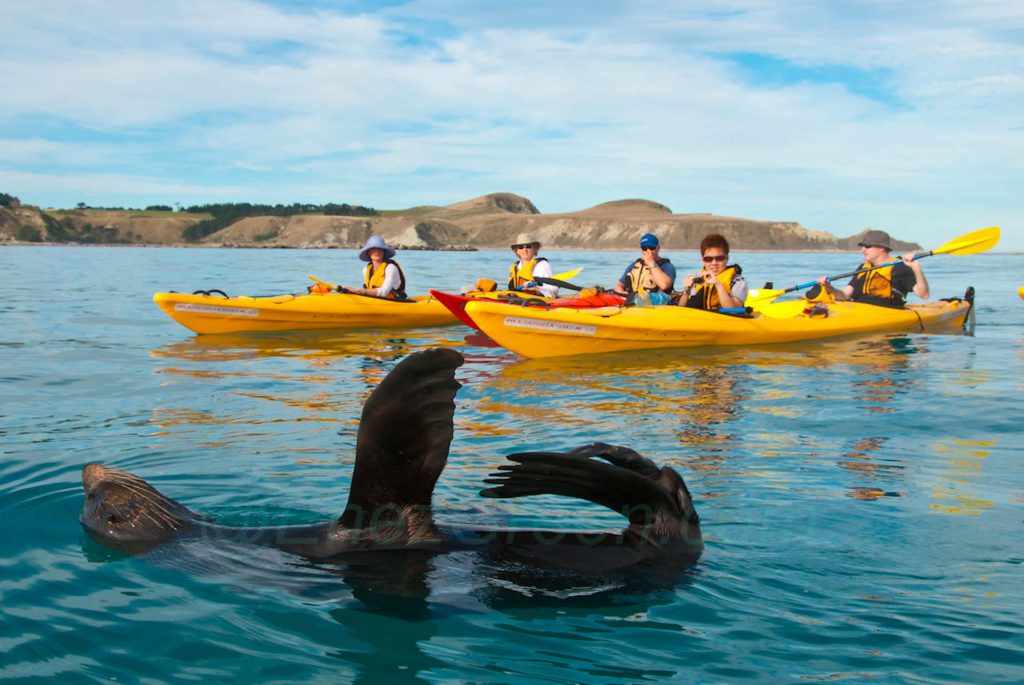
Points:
[(210, 314), (537, 333)]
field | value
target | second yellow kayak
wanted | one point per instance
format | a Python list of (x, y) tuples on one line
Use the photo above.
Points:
[(536, 332)]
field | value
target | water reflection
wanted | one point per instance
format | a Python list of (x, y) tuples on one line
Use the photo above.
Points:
[(315, 347), (882, 366), (963, 465), (864, 459)]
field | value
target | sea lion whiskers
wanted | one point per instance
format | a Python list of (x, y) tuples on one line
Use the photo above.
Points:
[(157, 511)]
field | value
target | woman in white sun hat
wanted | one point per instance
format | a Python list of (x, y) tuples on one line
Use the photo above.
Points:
[(524, 271), (382, 277)]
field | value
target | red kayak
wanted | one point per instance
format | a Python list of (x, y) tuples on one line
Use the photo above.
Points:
[(456, 304)]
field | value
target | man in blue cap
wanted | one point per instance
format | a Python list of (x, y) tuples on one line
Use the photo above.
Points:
[(651, 273)]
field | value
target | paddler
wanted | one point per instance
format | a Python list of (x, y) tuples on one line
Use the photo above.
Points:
[(718, 284), (651, 273), (382, 277), (522, 275), (887, 286)]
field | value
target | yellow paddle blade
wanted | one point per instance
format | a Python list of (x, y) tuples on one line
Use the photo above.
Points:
[(971, 243), (332, 286), (762, 296), (566, 275)]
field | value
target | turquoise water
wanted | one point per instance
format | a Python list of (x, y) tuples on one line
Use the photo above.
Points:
[(861, 500)]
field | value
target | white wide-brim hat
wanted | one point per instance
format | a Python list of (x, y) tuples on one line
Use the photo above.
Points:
[(378, 242)]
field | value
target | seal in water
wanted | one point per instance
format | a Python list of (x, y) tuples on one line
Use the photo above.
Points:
[(401, 449)]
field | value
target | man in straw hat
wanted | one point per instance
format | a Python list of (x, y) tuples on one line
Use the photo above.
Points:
[(524, 271), (887, 286)]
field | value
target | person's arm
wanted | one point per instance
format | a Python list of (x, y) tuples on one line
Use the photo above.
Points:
[(921, 285), (662, 277), (543, 269), (840, 294), (738, 296), (684, 296), (620, 285)]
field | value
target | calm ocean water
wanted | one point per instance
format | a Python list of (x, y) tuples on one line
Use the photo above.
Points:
[(861, 499)]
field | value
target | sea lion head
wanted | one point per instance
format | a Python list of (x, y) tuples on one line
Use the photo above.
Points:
[(122, 508), (687, 523)]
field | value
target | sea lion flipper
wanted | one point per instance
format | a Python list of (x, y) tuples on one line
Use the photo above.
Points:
[(404, 434), (619, 456), (637, 493)]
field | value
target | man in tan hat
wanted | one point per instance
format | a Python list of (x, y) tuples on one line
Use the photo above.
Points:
[(524, 271), (888, 285)]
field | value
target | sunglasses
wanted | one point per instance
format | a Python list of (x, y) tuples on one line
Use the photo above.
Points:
[(519, 247), (715, 258)]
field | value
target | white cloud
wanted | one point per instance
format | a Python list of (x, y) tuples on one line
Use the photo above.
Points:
[(623, 100)]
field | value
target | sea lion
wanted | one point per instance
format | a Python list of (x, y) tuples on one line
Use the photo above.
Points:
[(401, 449)]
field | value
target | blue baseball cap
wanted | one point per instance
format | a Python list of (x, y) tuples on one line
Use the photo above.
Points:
[(648, 240)]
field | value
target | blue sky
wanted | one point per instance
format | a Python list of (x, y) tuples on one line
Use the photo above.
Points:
[(906, 116)]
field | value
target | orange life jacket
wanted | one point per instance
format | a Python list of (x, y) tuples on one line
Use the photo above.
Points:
[(641, 280), (875, 287), (375, 279), (517, 278), (706, 294)]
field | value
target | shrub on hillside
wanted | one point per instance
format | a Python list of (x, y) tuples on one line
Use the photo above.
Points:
[(225, 214)]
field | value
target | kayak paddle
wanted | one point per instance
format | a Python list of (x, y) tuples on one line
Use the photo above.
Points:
[(317, 280), (970, 243), (560, 279), (566, 275), (330, 286), (556, 281)]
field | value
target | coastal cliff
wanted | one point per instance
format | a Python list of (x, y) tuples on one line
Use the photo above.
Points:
[(484, 222)]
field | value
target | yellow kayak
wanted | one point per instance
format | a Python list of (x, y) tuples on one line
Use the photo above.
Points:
[(214, 314), (536, 332)]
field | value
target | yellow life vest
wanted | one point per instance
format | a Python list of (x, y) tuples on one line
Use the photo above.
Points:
[(375, 279), (706, 294), (875, 287), (517, 278), (641, 280)]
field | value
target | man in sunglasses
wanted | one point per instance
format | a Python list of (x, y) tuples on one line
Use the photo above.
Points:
[(888, 285), (651, 273), (718, 285)]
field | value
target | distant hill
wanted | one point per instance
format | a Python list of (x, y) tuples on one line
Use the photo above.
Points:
[(488, 221)]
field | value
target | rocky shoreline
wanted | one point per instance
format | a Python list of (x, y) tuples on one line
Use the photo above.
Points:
[(489, 221)]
